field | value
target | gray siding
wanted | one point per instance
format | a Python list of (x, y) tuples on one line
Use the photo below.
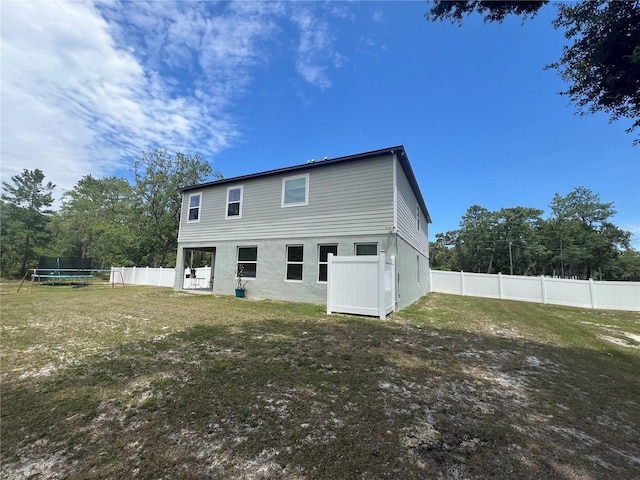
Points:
[(354, 198), (407, 222)]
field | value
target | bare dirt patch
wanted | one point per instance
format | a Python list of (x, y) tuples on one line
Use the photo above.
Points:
[(448, 389), (622, 342)]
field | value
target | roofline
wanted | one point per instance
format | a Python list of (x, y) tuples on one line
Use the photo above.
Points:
[(406, 166), (398, 150), (309, 165)]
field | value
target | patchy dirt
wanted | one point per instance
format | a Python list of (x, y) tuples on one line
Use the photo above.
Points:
[(616, 335), (621, 341), (316, 398)]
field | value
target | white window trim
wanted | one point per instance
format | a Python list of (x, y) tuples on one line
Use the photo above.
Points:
[(355, 248), (226, 205), (246, 261), (199, 194), (306, 191), (287, 263), (324, 263), (418, 216)]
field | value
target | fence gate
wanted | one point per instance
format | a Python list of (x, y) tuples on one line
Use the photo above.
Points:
[(362, 285)]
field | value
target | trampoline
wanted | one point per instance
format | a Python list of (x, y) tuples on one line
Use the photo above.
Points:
[(64, 270)]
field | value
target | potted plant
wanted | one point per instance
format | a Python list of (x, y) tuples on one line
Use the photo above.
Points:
[(239, 283)]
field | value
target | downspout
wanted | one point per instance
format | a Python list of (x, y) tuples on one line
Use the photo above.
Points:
[(394, 232)]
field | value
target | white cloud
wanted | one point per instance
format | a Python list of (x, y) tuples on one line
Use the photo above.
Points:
[(83, 95), (315, 48), (53, 55), (87, 87), (340, 10)]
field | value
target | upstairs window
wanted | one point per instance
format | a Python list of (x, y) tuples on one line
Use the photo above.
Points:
[(323, 260), (194, 207), (247, 261), (418, 216), (295, 191), (366, 249), (295, 257), (234, 202)]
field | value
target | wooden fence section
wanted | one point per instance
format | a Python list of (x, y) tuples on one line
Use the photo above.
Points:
[(548, 290), (362, 285)]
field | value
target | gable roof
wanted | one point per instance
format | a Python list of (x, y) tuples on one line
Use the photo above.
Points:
[(398, 150)]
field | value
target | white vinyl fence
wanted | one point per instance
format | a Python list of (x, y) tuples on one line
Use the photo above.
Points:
[(362, 285), (160, 277), (555, 291)]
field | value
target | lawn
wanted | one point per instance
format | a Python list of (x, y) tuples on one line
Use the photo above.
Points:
[(147, 383)]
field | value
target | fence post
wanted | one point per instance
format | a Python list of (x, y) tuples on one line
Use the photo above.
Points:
[(461, 282), (430, 280), (160, 276), (381, 305), (592, 293), (543, 288), (500, 294), (134, 276), (329, 283), (146, 276)]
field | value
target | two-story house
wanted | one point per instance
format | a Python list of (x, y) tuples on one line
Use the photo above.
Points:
[(280, 225)]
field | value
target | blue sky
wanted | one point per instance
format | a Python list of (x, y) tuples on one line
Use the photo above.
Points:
[(253, 86)]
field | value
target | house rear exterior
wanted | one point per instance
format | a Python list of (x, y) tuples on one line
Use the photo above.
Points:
[(280, 226)]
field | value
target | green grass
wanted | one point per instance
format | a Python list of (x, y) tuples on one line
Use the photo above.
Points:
[(148, 383)]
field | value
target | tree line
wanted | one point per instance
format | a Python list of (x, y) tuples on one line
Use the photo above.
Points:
[(600, 64), (111, 220), (116, 222), (577, 240)]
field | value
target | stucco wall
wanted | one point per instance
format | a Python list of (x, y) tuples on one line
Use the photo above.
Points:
[(413, 268), (270, 280)]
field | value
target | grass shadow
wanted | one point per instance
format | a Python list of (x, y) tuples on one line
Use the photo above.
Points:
[(328, 397)]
